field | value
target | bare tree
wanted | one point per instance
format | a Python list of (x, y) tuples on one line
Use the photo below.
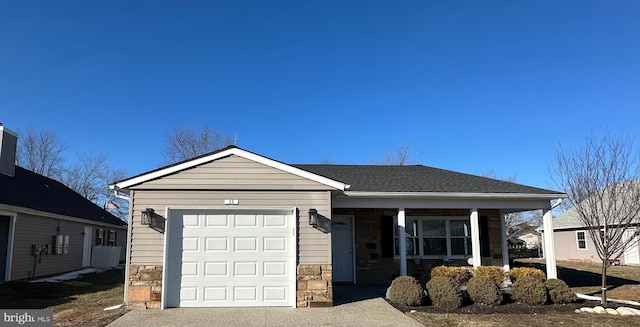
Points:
[(400, 157), (514, 222), (184, 144), (87, 175), (601, 179), (42, 152)]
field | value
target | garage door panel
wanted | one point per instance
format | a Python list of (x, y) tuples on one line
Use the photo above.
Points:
[(216, 244), (245, 244), (216, 269), (231, 260), (275, 221), (246, 221), (216, 221)]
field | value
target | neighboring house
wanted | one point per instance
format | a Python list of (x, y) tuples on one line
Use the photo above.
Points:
[(527, 234), (234, 228), (45, 227), (574, 243)]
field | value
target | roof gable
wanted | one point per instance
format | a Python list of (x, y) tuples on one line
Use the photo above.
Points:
[(223, 153), (30, 190)]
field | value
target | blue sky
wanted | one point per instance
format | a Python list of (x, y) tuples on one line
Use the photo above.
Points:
[(470, 86)]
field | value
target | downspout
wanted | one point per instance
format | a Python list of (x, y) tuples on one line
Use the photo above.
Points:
[(127, 260), (559, 202)]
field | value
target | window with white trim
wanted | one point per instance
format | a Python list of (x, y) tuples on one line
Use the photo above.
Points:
[(435, 237), (581, 240)]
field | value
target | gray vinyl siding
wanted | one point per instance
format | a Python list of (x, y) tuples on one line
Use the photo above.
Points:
[(232, 173), (30, 229), (314, 246)]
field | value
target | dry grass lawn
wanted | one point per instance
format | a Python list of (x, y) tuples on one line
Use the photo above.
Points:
[(79, 302), (623, 281)]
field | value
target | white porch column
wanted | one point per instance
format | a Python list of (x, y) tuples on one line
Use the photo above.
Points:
[(475, 238), (403, 241), (505, 243), (549, 247)]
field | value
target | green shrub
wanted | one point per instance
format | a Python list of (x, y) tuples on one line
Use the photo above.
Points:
[(494, 273), (529, 290), (522, 272), (484, 290), (559, 291), (406, 290), (444, 293), (457, 275)]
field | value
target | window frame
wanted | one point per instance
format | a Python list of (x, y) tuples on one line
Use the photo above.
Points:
[(421, 236), (584, 239)]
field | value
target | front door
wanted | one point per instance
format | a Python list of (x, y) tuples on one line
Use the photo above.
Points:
[(342, 248)]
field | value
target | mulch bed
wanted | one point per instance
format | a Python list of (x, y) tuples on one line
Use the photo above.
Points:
[(509, 307)]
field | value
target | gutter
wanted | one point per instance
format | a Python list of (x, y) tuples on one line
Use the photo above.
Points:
[(359, 194), (118, 193)]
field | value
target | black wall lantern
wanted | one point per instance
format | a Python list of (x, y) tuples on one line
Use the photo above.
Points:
[(146, 216), (313, 217)]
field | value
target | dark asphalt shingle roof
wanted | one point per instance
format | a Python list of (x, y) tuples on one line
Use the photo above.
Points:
[(415, 178), (31, 190)]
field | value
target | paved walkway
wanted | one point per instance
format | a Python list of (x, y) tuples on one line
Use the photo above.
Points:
[(374, 312)]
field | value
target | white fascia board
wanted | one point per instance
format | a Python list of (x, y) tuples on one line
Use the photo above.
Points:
[(45, 214), (238, 152), (458, 195), (2, 128)]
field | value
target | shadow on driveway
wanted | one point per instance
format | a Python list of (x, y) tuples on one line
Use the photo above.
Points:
[(349, 293)]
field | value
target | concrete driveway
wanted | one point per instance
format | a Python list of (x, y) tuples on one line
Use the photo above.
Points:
[(368, 312)]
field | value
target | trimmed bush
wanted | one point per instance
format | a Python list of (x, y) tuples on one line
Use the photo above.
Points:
[(529, 290), (444, 293), (406, 290), (494, 273), (457, 275), (521, 272), (559, 291), (484, 290)]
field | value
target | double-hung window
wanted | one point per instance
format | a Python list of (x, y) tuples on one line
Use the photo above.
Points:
[(435, 237), (411, 236), (581, 240)]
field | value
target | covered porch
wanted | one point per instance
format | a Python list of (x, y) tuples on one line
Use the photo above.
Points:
[(460, 231)]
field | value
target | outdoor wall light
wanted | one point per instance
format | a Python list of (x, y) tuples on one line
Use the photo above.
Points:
[(313, 217), (146, 216)]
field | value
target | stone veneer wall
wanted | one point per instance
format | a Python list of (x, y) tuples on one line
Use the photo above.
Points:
[(314, 288), (145, 287)]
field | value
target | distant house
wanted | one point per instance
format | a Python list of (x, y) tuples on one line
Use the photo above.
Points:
[(45, 227), (528, 235), (573, 241)]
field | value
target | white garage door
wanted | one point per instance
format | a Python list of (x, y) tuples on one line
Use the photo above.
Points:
[(231, 258)]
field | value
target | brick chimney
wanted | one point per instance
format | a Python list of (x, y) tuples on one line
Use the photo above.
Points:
[(8, 144)]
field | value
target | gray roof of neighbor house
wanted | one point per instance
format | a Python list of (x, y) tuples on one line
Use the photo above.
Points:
[(33, 191), (416, 178)]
